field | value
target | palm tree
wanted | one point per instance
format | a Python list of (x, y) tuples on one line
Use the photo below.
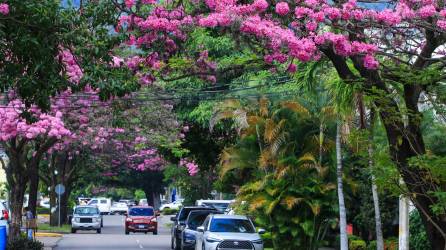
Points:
[(339, 175)]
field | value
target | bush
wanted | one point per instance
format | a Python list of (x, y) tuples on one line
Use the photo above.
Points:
[(267, 239), (169, 211), (372, 245), (418, 238), (391, 243), (357, 245), (351, 238), (24, 243)]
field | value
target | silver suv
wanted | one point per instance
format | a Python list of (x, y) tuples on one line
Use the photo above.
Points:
[(228, 232), (86, 218)]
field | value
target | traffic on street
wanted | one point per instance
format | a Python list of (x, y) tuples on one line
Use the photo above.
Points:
[(113, 237)]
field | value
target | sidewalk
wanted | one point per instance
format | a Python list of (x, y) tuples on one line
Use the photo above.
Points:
[(49, 242)]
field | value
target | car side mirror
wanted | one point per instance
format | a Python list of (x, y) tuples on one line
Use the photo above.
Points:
[(261, 231), (173, 218), (200, 229), (157, 213)]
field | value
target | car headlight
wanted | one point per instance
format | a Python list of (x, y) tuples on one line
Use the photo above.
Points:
[(129, 220), (181, 227), (98, 219), (189, 238), (212, 240), (153, 219), (259, 241), (77, 219)]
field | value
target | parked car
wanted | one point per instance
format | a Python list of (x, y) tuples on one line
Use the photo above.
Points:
[(179, 223), (194, 220), (222, 231), (45, 203), (119, 208), (86, 217), (221, 205), (141, 219), (104, 204), (173, 205)]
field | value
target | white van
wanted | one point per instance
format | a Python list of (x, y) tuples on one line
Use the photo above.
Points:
[(103, 204), (220, 205)]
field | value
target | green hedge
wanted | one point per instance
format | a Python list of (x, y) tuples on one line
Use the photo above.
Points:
[(23, 243), (169, 211), (42, 210)]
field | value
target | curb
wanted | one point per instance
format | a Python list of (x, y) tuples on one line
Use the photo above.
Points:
[(41, 234)]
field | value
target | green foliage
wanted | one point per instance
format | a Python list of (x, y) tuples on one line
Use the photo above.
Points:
[(286, 189), (36, 30), (139, 194), (418, 238), (169, 211), (357, 245), (22, 243)]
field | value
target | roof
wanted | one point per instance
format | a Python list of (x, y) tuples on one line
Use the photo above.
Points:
[(227, 216)]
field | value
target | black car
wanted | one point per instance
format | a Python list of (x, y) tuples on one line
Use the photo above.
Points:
[(194, 220), (179, 223)]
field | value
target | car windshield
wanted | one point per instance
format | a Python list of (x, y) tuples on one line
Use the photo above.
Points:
[(186, 211), (231, 226), (196, 219), (86, 210), (136, 211), (219, 206)]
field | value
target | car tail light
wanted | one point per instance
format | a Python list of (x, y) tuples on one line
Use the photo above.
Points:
[(5, 214), (129, 220)]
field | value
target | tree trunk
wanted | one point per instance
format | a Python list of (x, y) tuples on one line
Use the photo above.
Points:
[(149, 195), (64, 204), (53, 204), (33, 188), (378, 224), (339, 174), (16, 201)]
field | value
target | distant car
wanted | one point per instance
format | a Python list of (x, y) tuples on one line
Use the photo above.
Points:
[(179, 224), (119, 208), (128, 202), (45, 203), (104, 204), (141, 219), (228, 232), (221, 205), (143, 202), (194, 220), (86, 217), (173, 205)]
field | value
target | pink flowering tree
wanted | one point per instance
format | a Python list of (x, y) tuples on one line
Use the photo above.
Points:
[(393, 51)]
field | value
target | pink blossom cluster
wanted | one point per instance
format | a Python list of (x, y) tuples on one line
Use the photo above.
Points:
[(72, 68), (13, 124), (191, 166), (4, 9), (282, 8), (146, 159)]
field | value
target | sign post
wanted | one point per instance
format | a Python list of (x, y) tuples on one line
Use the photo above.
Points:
[(60, 189)]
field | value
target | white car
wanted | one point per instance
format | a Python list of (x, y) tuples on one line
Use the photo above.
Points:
[(119, 208), (173, 205), (220, 205), (103, 204), (228, 232), (86, 218), (45, 203)]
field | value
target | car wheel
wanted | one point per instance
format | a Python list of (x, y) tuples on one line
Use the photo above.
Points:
[(126, 231), (73, 231), (171, 243), (145, 232), (155, 232), (203, 247), (98, 231), (102, 223)]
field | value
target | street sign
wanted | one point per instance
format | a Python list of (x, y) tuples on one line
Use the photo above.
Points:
[(60, 189)]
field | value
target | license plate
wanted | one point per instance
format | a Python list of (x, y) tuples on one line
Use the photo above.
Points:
[(141, 226)]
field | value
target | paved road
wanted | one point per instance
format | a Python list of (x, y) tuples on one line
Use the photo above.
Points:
[(113, 237)]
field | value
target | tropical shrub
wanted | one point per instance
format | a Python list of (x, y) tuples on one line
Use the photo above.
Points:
[(22, 243), (288, 190), (418, 238), (357, 245)]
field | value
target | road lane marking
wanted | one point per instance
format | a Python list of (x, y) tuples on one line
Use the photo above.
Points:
[(140, 246)]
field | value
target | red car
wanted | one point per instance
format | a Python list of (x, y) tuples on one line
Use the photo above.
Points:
[(141, 219)]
